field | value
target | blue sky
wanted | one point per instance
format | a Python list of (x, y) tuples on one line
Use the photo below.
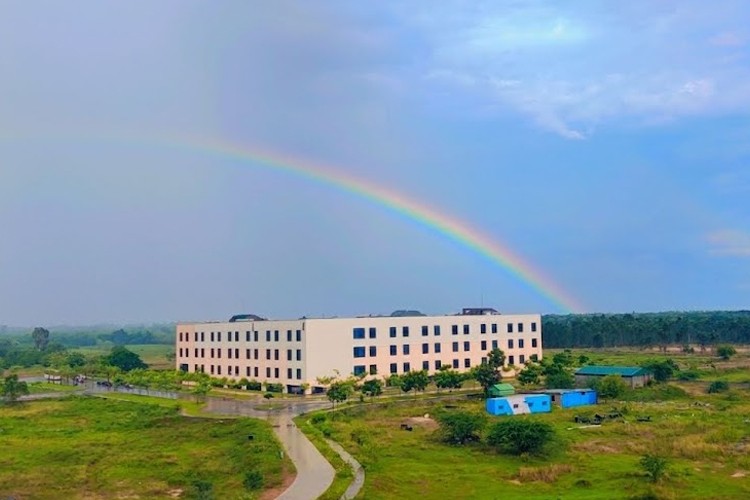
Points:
[(606, 142)]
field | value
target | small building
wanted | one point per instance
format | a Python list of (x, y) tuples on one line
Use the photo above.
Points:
[(633, 376), (568, 398), (501, 390), (519, 404)]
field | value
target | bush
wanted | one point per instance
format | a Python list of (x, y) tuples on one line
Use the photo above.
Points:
[(517, 436), (318, 418), (611, 387), (268, 395), (687, 375), (274, 387), (254, 385), (654, 466), (253, 480), (726, 351), (718, 386), (460, 427)]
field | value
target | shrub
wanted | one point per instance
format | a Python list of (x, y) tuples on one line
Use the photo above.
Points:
[(253, 480), (254, 385), (318, 418), (460, 427), (611, 387), (691, 374), (654, 466), (274, 387), (516, 436), (268, 395), (718, 386), (726, 351)]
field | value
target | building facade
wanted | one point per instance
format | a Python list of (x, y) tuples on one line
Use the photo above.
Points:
[(296, 353)]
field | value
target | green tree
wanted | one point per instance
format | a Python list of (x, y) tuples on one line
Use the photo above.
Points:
[(447, 378), (654, 466), (417, 380), (518, 435), (460, 427), (557, 377), (718, 386), (488, 374), (41, 338), (124, 359), (12, 388), (662, 370), (530, 375), (394, 381), (338, 392), (726, 351), (611, 387), (372, 387)]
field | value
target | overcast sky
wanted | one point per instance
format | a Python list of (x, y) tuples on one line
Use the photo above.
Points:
[(608, 143)]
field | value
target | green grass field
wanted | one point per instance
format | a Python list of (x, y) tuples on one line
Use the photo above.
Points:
[(706, 447), (92, 448), (154, 355)]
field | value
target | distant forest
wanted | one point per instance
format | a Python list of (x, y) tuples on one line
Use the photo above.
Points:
[(93, 335), (646, 329)]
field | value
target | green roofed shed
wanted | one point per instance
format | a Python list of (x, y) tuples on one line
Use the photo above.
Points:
[(635, 376), (501, 390)]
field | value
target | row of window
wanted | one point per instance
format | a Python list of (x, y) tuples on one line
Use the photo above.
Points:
[(291, 355), (254, 336), (373, 369), (250, 371), (372, 332), (362, 351)]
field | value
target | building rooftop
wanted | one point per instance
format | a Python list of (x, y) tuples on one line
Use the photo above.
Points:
[(623, 371)]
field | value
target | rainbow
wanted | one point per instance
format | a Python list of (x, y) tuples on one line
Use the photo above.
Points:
[(446, 225)]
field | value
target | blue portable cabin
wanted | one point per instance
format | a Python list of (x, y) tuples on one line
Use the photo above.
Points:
[(568, 398), (519, 404)]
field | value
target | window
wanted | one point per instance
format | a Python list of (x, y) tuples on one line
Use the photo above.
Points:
[(237, 353), (515, 405), (484, 345), (511, 360), (247, 355), (510, 343), (406, 349), (359, 369), (373, 351), (522, 359), (255, 351), (425, 365), (405, 331), (373, 332), (196, 352), (438, 364), (533, 342), (394, 350), (229, 339), (425, 330), (247, 371), (196, 336), (218, 353), (276, 337), (289, 339), (218, 338), (520, 327), (268, 372), (276, 354), (247, 339), (467, 363), (482, 328), (520, 343), (299, 373), (255, 335), (494, 344), (484, 360), (466, 329), (455, 363), (212, 369), (229, 353), (392, 331), (394, 367), (407, 367), (212, 336), (359, 352), (268, 353), (436, 330), (455, 346), (268, 335), (494, 327), (425, 348), (288, 373), (218, 368), (255, 371), (299, 354), (276, 373), (510, 327), (203, 336), (299, 335), (533, 326), (212, 352), (358, 333), (180, 339), (289, 355), (454, 329), (467, 346), (437, 347), (373, 369)]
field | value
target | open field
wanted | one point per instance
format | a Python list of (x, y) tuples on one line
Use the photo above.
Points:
[(705, 439), (154, 355), (83, 447)]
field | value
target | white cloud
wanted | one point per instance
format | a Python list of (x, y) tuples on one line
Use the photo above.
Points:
[(729, 242)]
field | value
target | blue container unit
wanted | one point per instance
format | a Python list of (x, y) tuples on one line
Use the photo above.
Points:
[(584, 397), (519, 404)]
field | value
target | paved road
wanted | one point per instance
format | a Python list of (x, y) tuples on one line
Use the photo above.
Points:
[(359, 471)]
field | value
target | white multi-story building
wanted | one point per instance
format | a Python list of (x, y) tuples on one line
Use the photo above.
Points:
[(297, 352)]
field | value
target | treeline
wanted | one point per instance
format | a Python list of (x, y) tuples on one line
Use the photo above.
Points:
[(90, 336), (646, 329)]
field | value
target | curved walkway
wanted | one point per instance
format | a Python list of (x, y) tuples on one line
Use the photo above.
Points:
[(359, 472)]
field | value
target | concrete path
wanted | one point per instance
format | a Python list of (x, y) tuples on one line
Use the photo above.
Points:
[(359, 472)]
